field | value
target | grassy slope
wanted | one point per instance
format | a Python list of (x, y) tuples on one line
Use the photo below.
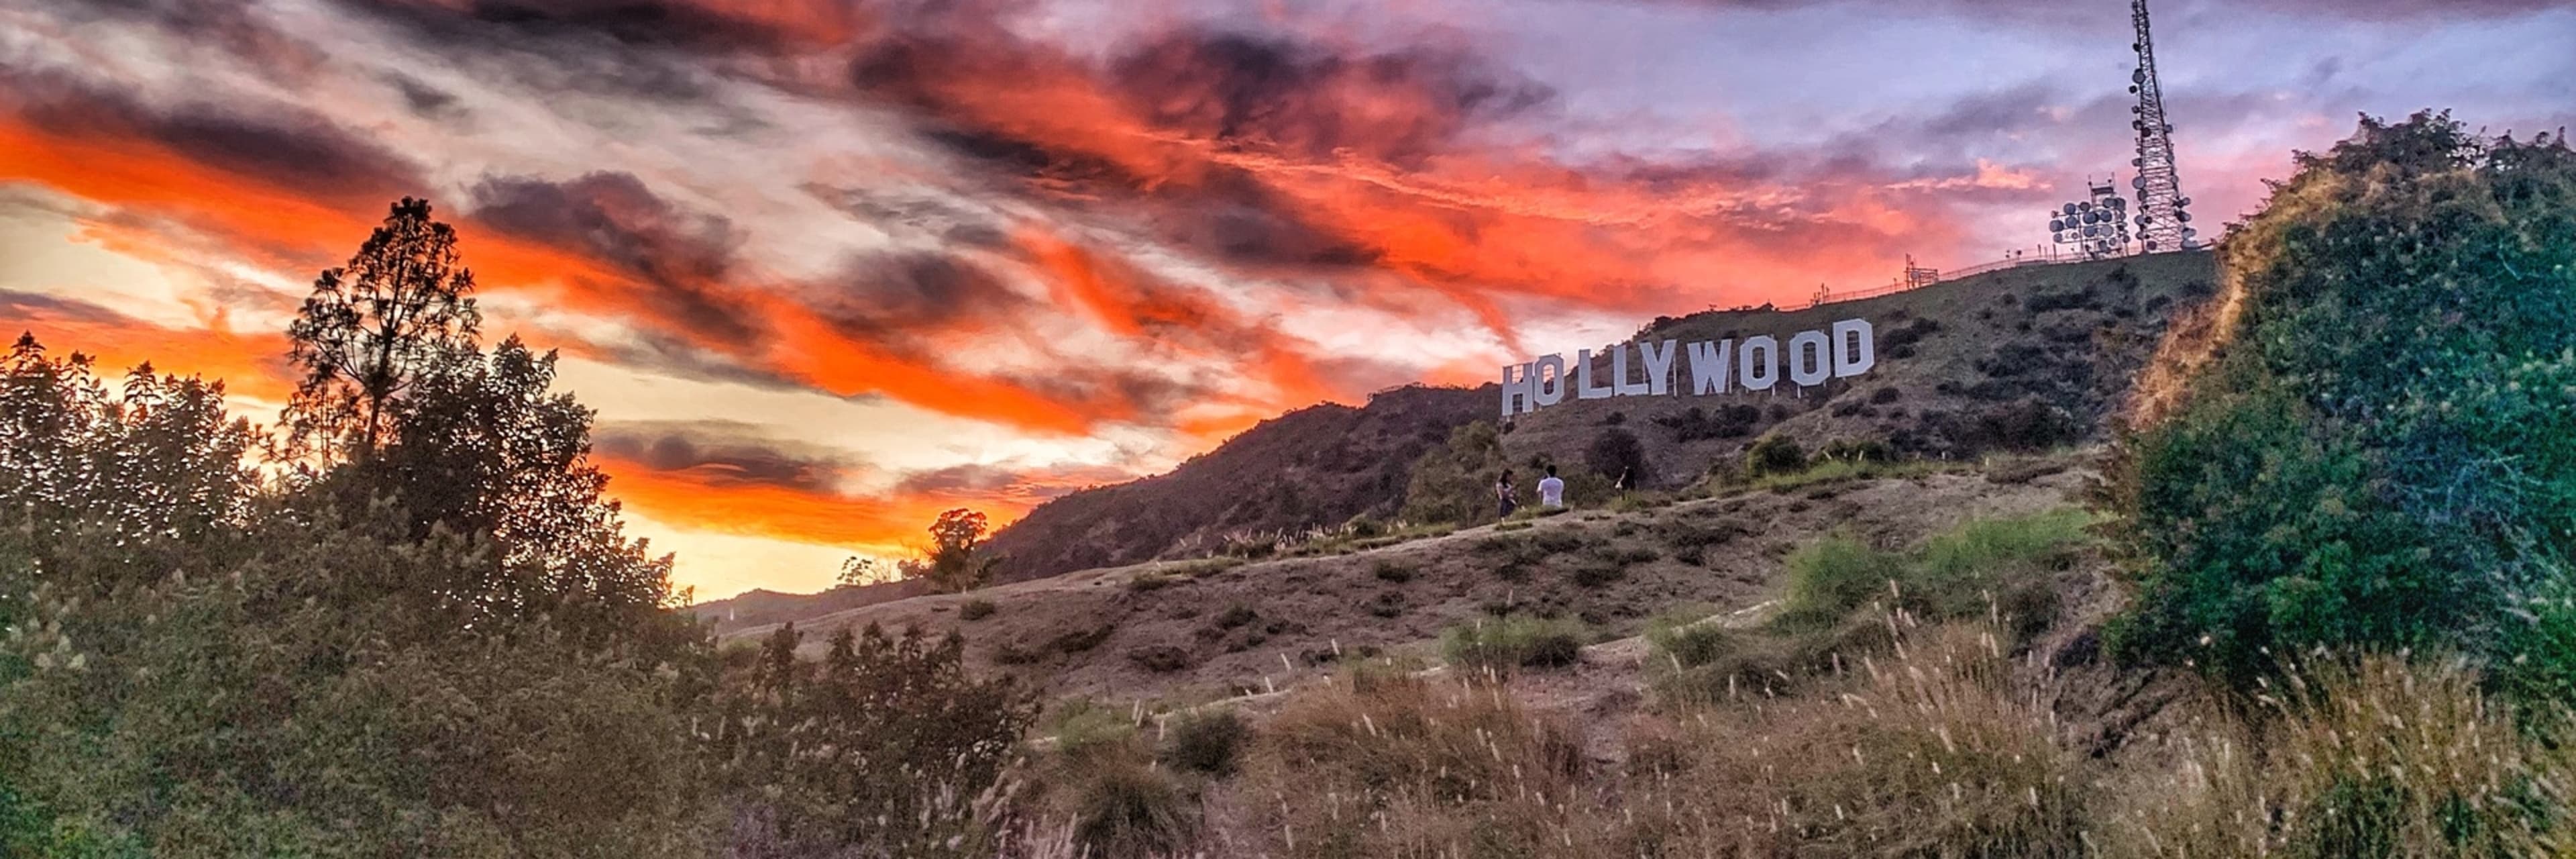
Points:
[(1099, 633)]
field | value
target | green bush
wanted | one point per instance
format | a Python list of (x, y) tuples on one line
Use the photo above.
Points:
[(1205, 742), (2366, 441), (1774, 454), (2006, 566), (975, 609), (1512, 642)]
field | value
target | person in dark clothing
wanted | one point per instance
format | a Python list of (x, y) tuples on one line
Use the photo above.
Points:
[(1503, 495)]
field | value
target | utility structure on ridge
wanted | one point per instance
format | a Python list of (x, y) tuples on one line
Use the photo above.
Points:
[(2164, 217)]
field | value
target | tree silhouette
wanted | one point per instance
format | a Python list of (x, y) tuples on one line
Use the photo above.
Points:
[(954, 564), (371, 329)]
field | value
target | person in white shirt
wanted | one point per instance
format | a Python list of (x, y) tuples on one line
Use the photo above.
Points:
[(1551, 491)]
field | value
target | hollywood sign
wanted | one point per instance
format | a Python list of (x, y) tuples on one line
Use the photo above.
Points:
[(1841, 351)]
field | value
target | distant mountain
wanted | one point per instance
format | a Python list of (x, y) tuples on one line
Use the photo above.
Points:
[(1314, 467)]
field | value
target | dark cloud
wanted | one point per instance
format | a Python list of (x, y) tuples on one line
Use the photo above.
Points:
[(1312, 102), (957, 479), (231, 26), (425, 100), (274, 144), (679, 258), (717, 452), (889, 295), (15, 305)]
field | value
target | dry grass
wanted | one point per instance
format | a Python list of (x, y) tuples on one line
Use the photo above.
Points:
[(2378, 758), (1921, 753), (1403, 767)]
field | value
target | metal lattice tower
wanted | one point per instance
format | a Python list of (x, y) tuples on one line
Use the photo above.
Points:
[(2164, 219)]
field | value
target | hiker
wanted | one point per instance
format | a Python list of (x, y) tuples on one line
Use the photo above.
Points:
[(1624, 486), (1503, 492), (1551, 491)]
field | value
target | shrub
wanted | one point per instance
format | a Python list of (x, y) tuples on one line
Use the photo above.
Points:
[(1236, 615), (2022, 425), (975, 609), (1512, 642), (1774, 454), (1393, 572), (1122, 806), (2356, 446), (1387, 604), (1886, 395), (1205, 741), (1081, 640), (1832, 577), (1454, 483), (2005, 567), (1855, 450), (1161, 658), (1616, 453)]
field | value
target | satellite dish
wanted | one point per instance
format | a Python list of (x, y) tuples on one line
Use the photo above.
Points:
[(2117, 203), (2084, 206), (2151, 244), (2137, 181), (2144, 220), (2056, 226), (2188, 232), (2183, 202), (2138, 77), (2069, 209), (2184, 217)]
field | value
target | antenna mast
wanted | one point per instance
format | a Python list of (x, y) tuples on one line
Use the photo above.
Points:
[(2162, 217)]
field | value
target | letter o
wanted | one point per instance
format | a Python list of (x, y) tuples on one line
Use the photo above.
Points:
[(1758, 374), (1547, 380), (1806, 346)]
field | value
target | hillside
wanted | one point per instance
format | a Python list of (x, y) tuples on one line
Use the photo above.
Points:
[(1193, 630), (1317, 466), (2019, 359), (2022, 358)]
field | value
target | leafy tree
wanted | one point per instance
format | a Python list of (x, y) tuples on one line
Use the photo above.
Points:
[(2367, 440), (856, 571), (484, 446), (954, 562), (372, 329)]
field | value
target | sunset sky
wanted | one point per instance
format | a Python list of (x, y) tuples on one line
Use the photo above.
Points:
[(828, 267)]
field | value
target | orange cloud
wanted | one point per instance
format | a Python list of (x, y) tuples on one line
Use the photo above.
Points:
[(250, 365)]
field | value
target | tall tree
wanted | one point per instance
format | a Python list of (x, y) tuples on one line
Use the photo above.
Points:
[(371, 330)]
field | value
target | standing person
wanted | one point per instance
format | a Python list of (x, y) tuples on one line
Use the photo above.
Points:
[(1551, 491), (1503, 495), (1624, 485)]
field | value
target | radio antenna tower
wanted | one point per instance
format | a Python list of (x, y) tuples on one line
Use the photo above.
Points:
[(2163, 220)]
